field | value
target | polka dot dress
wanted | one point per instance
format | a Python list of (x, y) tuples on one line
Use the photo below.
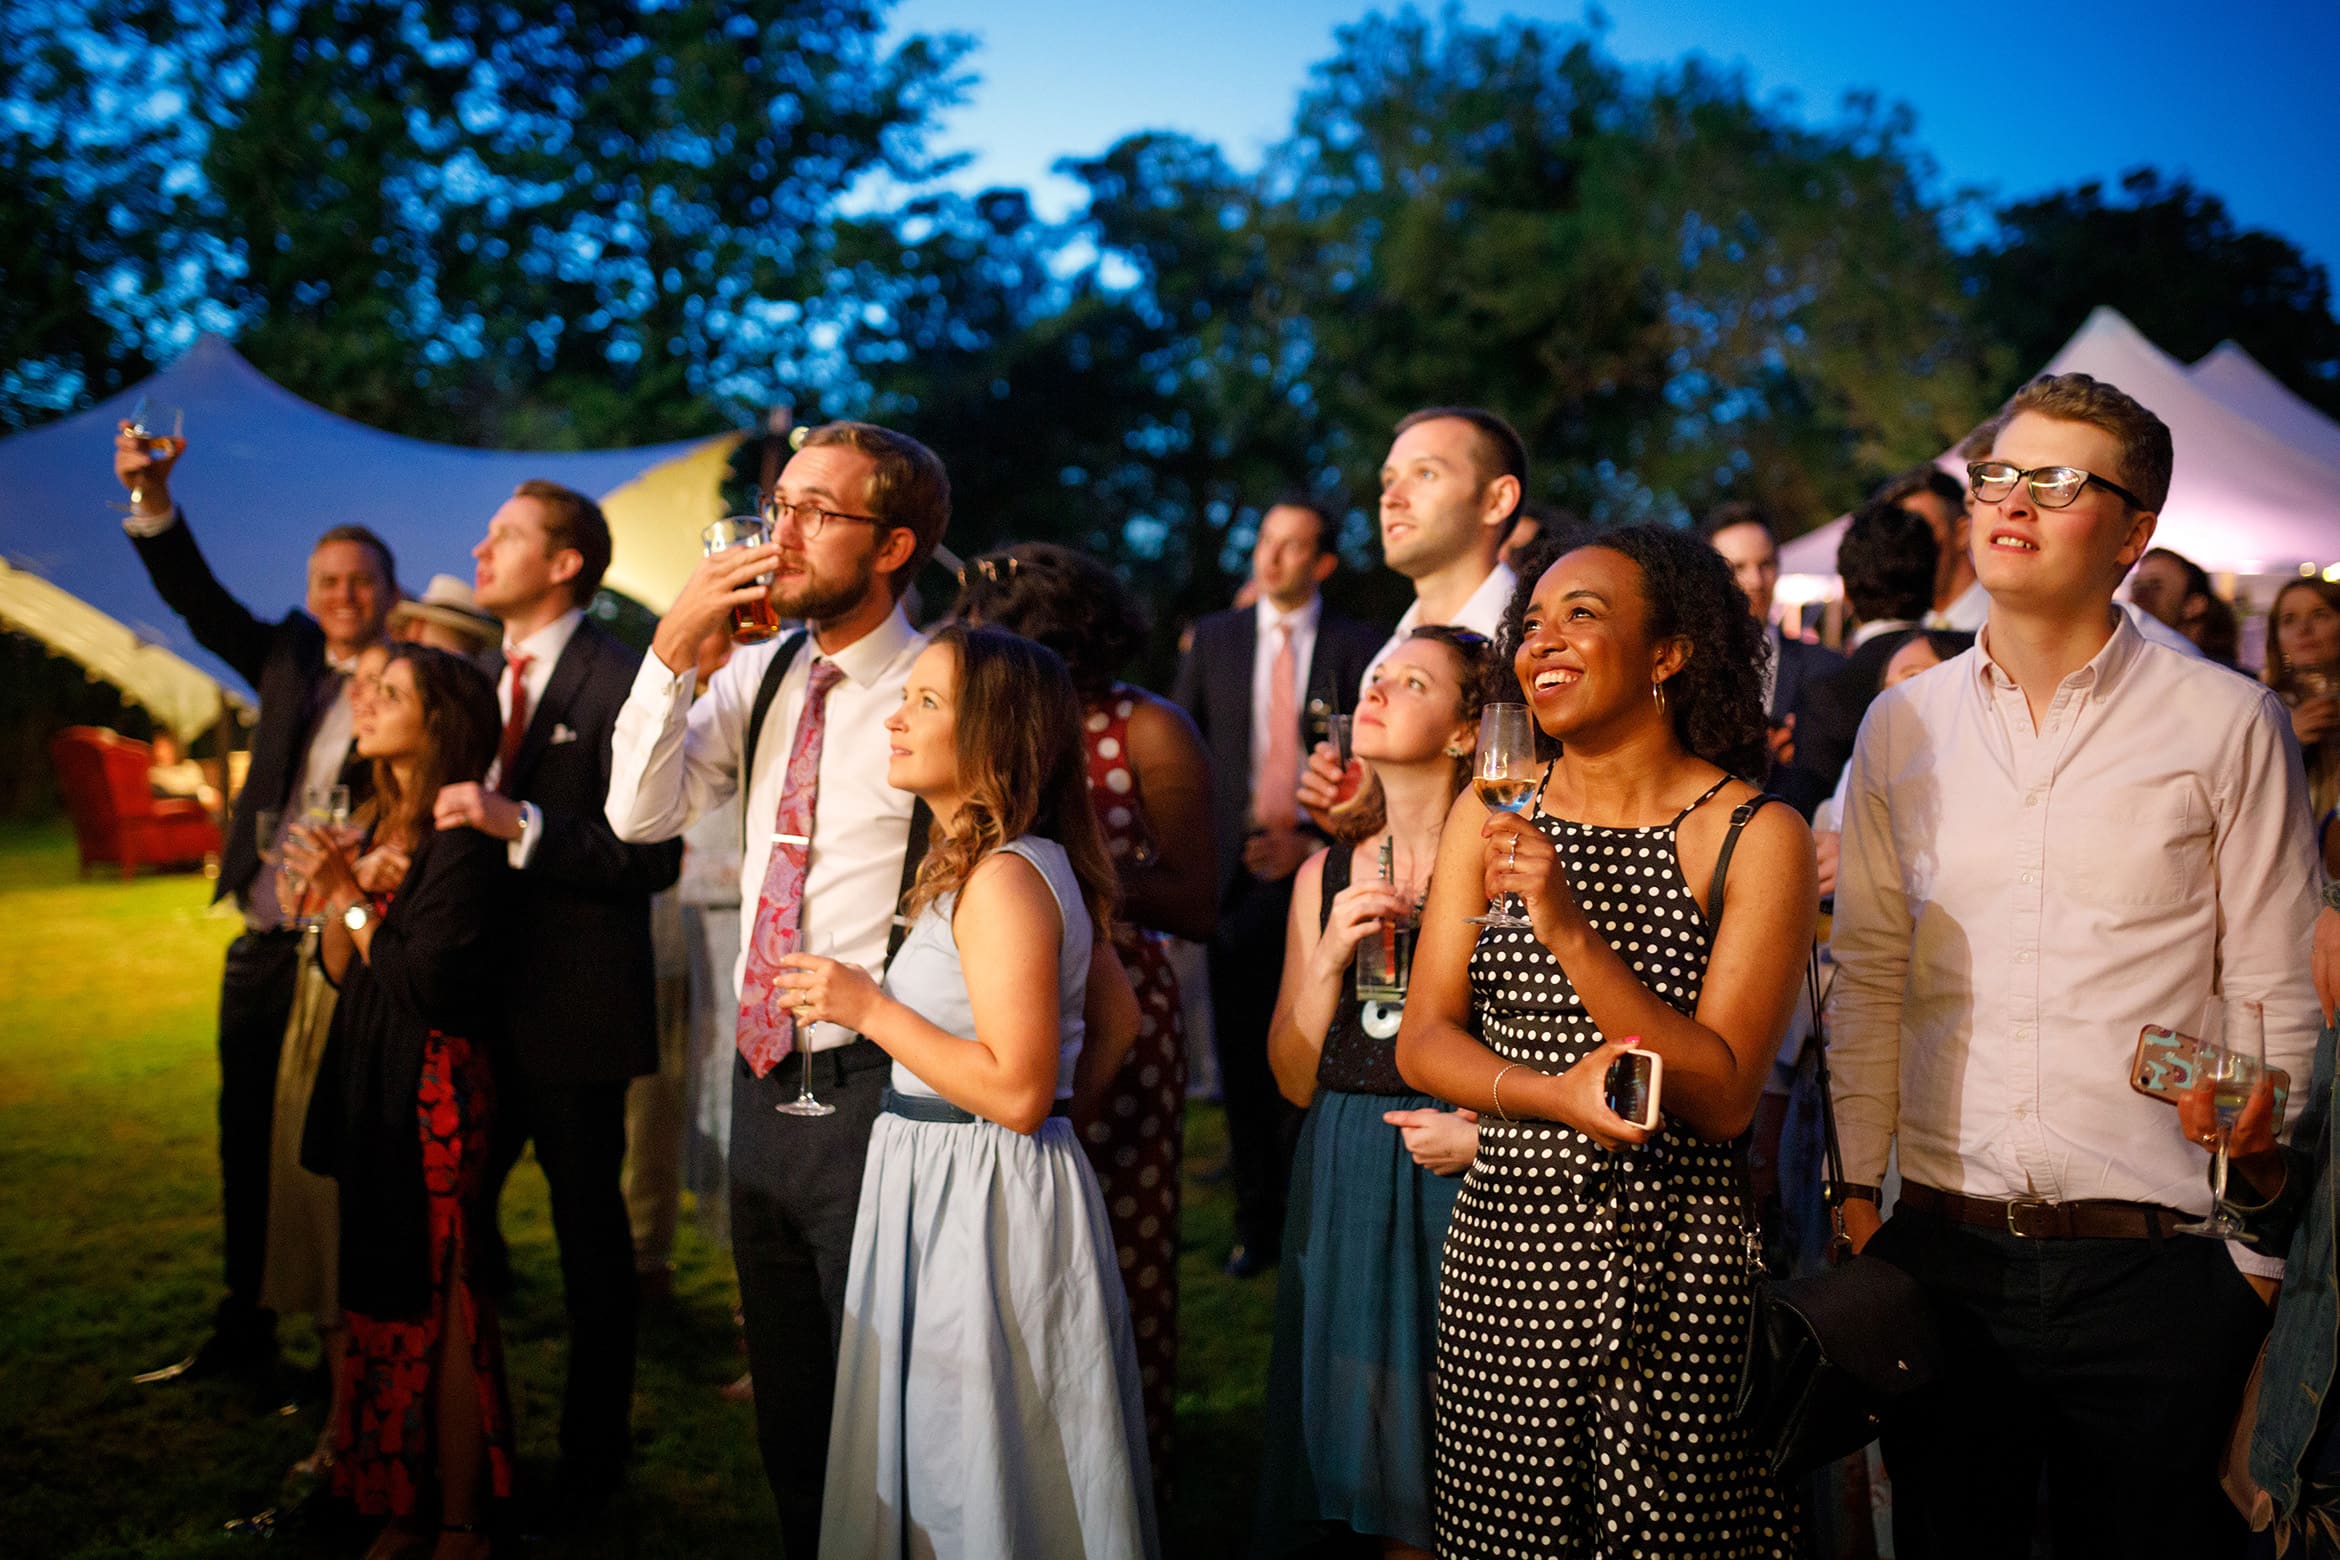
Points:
[(1134, 1146), (1593, 1307)]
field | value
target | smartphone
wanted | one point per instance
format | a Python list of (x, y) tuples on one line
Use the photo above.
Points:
[(1631, 1088), (2168, 1065)]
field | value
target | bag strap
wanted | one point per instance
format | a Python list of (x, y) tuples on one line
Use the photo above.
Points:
[(913, 853), (1722, 861), (767, 690)]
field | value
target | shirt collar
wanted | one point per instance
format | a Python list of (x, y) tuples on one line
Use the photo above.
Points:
[(865, 660), (544, 647), (2102, 673), (1264, 613), (1487, 605), (1870, 630)]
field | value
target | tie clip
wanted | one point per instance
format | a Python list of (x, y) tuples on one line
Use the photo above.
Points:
[(793, 839)]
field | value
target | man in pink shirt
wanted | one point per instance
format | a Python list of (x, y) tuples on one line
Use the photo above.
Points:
[(2051, 841)]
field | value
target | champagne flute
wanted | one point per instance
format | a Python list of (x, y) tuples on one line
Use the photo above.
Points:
[(804, 1104), (1506, 783), (2233, 1060), (324, 813)]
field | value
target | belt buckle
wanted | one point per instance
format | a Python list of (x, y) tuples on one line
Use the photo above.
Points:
[(2027, 1200)]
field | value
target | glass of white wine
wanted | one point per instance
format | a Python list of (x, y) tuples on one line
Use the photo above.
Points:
[(163, 430), (2233, 1060), (804, 1104), (1506, 782)]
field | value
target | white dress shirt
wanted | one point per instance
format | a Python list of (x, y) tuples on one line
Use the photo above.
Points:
[(2013, 906), (1482, 614), (673, 759), (1263, 667), (543, 648)]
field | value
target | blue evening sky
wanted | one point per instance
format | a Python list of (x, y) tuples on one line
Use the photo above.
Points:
[(2020, 99)]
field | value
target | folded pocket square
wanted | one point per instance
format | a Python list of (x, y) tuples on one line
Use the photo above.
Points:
[(562, 734)]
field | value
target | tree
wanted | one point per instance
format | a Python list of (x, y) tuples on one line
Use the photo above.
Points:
[(2171, 258)]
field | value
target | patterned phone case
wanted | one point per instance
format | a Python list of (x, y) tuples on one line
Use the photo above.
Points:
[(2168, 1062)]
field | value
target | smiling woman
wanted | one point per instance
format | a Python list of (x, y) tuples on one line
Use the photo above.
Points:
[(1619, 1360)]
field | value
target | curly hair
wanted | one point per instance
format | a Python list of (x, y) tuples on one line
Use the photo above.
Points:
[(1021, 768), (1715, 702), (1061, 598)]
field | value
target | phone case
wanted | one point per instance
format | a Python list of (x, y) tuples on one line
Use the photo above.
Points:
[(1647, 1120), (2167, 1064)]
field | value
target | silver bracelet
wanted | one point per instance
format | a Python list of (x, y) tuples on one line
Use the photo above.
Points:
[(1496, 1089)]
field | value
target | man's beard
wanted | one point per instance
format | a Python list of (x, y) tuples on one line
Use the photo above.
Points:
[(816, 600)]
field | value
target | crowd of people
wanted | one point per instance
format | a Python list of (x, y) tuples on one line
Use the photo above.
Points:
[(924, 885)]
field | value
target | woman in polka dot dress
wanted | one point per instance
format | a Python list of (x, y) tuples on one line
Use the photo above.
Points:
[(1149, 779), (1594, 1297)]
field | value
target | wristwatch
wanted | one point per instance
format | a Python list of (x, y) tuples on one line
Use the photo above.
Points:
[(358, 916), (2331, 894)]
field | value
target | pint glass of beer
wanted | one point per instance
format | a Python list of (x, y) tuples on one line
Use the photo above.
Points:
[(758, 620)]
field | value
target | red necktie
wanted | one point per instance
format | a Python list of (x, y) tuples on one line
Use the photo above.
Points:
[(516, 723), (767, 1026), (1274, 799)]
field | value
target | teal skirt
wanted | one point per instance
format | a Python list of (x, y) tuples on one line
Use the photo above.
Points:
[(1346, 1442)]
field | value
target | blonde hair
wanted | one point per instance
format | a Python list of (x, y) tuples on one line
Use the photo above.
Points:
[(2144, 438)]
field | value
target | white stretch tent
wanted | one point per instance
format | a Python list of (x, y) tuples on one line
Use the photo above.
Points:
[(265, 472), (2235, 377), (181, 697), (2247, 495)]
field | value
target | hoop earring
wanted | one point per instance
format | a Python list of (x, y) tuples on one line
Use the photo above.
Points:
[(1657, 691)]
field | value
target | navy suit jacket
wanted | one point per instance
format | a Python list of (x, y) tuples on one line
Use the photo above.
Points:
[(579, 985), (1214, 686), (1804, 688)]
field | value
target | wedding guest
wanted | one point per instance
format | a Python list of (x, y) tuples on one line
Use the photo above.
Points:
[(401, 1115), (2033, 870), (1594, 1293), (1797, 675), (2176, 590), (301, 1271), (1346, 1447), (170, 772), (987, 1388), (1150, 784), (576, 966), (1958, 602), (1249, 681), (300, 665), (448, 616), (2303, 667), (794, 728)]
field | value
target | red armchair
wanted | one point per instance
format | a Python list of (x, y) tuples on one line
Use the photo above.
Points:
[(103, 776)]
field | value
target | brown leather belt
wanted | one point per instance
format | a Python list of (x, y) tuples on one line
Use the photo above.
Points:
[(2035, 1218)]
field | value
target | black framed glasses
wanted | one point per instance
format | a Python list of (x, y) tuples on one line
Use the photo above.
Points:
[(2051, 487), (811, 519)]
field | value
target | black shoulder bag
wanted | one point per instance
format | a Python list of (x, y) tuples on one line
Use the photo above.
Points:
[(1829, 1356)]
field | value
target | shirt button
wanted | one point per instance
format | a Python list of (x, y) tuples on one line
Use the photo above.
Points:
[(2031, 799), (2022, 1034), (2030, 877), (2024, 957)]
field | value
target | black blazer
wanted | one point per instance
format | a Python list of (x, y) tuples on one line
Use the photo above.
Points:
[(1801, 689), (1840, 702), (1214, 686), (431, 969), (283, 662), (579, 988)]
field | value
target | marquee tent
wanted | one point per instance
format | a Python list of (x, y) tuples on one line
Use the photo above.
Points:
[(2249, 493), (265, 471), (181, 697), (2235, 377)]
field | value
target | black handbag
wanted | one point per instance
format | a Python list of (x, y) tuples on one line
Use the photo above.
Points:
[(1829, 1356)]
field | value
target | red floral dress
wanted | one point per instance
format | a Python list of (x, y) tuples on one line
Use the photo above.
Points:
[(1135, 1144), (385, 1447)]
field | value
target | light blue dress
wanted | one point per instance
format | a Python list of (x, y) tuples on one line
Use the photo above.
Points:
[(987, 1383)]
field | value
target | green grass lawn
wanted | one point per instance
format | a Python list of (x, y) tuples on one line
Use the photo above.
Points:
[(109, 1265)]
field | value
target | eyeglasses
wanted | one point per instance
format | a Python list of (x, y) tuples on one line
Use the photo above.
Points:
[(811, 519), (2051, 487)]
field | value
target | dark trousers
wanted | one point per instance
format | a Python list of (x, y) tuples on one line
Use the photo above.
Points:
[(795, 1187), (1247, 962), (255, 1002), (2112, 1368), (580, 1134)]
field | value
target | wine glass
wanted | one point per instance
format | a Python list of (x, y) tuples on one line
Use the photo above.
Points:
[(1506, 782), (2233, 1060), (325, 813), (804, 1104), (163, 430)]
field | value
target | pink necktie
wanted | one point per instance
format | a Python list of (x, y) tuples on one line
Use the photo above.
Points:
[(1274, 802), (767, 1026)]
